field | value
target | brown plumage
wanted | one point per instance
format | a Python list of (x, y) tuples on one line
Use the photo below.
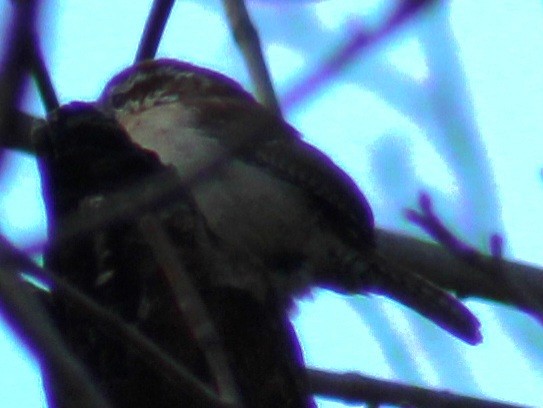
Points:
[(85, 157), (264, 191)]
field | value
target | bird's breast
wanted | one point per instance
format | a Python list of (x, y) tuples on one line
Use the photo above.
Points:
[(242, 202)]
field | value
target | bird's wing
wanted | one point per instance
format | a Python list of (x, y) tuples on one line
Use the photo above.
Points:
[(330, 187), (257, 136)]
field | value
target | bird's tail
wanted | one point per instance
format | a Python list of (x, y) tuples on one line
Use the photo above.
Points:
[(421, 295)]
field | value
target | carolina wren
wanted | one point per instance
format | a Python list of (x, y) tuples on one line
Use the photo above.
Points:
[(263, 191)]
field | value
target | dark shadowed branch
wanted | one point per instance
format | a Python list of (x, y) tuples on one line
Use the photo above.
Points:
[(15, 61), (23, 55), (21, 309), (154, 28), (29, 321), (246, 37), (437, 264), (354, 388), (113, 326), (18, 135), (42, 77), (192, 308)]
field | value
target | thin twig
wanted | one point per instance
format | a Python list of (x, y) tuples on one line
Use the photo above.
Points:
[(112, 325), (362, 40), (35, 62), (248, 41), (42, 77), (492, 268), (18, 135), (123, 205), (355, 388), (154, 29), (431, 224), (192, 308)]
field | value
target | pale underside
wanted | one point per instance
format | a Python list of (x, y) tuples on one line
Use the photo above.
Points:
[(263, 219)]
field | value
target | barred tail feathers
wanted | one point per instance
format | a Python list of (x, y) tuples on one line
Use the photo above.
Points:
[(421, 295)]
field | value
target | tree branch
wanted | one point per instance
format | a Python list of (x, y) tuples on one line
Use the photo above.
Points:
[(192, 308), (18, 135), (443, 268), (246, 37), (42, 77), (154, 29), (491, 268), (27, 318), (354, 388), (15, 61), (114, 326)]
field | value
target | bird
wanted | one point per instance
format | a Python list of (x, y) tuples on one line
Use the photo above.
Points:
[(86, 159), (265, 193)]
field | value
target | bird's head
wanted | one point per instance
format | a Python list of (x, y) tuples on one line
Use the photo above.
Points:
[(163, 81), (164, 99)]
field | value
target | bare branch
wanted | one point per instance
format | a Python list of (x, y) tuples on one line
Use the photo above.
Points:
[(437, 264), (355, 388), (27, 318), (15, 60), (154, 29), (494, 269), (23, 311), (248, 41), (192, 309), (42, 77), (430, 223)]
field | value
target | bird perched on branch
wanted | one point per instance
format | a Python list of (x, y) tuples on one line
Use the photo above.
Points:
[(91, 169), (264, 192)]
